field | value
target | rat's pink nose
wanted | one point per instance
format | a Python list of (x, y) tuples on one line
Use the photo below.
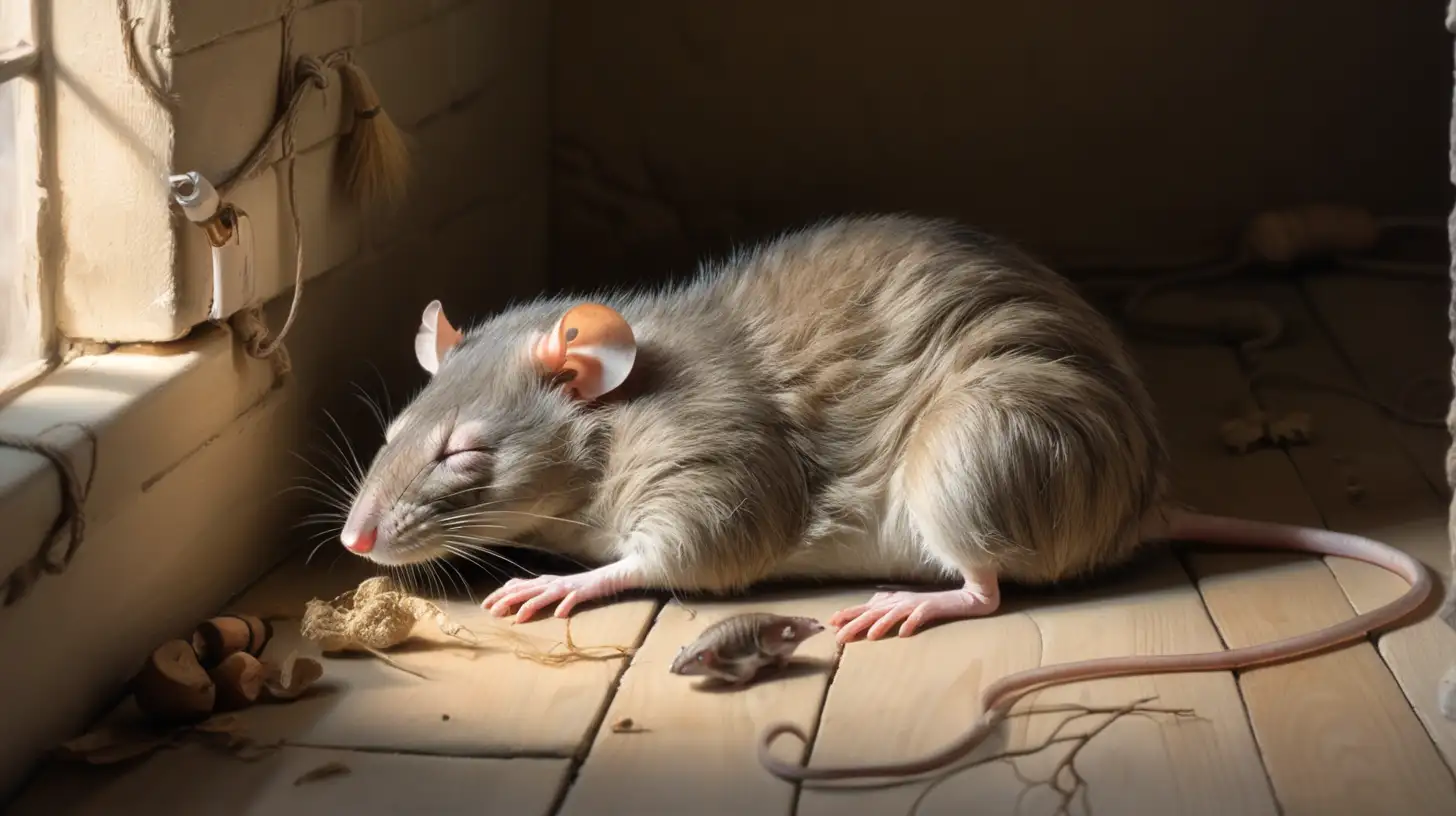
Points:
[(360, 542)]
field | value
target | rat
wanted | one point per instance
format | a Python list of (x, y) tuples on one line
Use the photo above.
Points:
[(886, 398), (734, 650)]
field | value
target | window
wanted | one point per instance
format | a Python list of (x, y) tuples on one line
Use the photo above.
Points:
[(24, 338)]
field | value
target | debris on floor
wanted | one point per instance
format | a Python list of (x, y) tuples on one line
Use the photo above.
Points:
[(115, 742), (1354, 487), (377, 616), (1065, 779), (1257, 429), (373, 617), (217, 638), (1243, 434), (187, 687), (1446, 695), (289, 679), (217, 670), (626, 725), (328, 770), (1291, 429), (574, 652)]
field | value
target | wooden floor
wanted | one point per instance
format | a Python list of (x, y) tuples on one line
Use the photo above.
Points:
[(1356, 731)]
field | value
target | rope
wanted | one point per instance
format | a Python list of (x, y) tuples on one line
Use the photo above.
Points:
[(71, 517), (133, 57), (309, 73), (249, 323)]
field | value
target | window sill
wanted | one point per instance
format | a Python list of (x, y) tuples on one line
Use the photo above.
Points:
[(149, 407)]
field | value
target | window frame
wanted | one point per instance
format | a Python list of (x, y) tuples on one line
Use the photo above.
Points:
[(23, 63)]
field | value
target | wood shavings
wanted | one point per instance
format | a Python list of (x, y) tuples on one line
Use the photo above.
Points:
[(172, 686), (115, 743), (239, 681), (1065, 779), (286, 681), (1257, 429), (109, 744), (218, 638), (328, 770), (626, 725)]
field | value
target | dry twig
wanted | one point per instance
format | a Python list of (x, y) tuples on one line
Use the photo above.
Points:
[(1067, 765)]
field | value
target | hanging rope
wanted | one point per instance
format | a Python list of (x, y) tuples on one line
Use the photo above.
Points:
[(379, 169), (375, 152), (249, 324), (133, 58)]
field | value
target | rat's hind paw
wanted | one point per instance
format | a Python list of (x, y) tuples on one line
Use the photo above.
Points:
[(911, 610), (535, 594)]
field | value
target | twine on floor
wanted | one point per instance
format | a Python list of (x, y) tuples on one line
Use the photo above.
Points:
[(71, 518)]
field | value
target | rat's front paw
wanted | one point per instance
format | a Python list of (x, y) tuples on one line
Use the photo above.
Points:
[(911, 611), (535, 594)]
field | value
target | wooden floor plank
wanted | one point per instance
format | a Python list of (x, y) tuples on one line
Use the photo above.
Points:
[(199, 780), (1335, 732), (896, 699), (698, 753), (476, 701), (1394, 331), (1397, 505)]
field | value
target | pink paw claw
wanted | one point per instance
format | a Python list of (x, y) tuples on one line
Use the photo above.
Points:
[(911, 611), (535, 594)]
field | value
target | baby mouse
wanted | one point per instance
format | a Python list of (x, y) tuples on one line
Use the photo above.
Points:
[(879, 398), (734, 650)]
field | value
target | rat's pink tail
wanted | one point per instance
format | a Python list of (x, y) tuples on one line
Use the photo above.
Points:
[(1000, 696)]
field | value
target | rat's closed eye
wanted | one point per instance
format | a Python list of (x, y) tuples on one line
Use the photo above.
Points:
[(464, 447), (464, 457)]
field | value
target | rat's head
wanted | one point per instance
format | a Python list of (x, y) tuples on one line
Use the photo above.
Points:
[(485, 449)]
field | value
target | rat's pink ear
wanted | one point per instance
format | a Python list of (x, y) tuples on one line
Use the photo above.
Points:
[(435, 337), (593, 346)]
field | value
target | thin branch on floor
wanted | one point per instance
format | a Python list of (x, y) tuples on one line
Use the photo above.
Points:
[(1067, 765)]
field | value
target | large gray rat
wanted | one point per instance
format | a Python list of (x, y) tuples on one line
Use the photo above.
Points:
[(887, 398)]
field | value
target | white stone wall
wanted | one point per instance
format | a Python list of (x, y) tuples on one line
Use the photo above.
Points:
[(187, 509)]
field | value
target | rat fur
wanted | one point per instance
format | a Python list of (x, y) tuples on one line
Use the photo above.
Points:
[(883, 397)]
